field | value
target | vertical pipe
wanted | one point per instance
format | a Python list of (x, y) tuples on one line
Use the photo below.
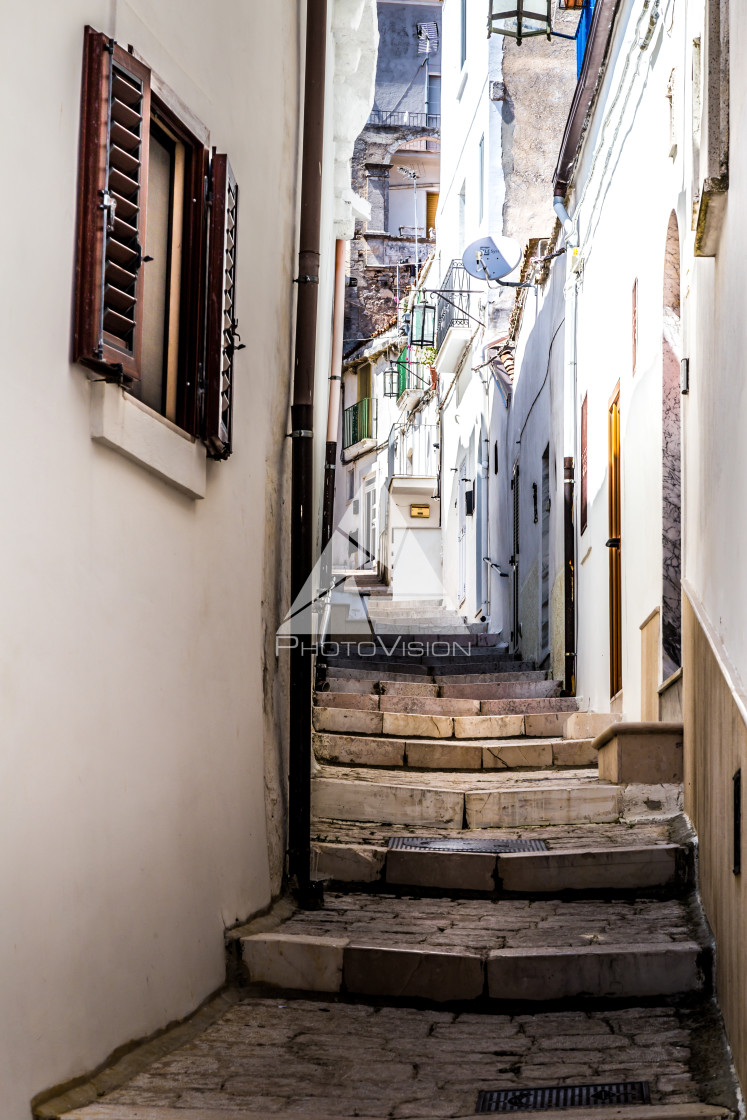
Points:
[(302, 419), (335, 376)]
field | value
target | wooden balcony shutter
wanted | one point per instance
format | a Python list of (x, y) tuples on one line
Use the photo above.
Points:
[(221, 330), (113, 173)]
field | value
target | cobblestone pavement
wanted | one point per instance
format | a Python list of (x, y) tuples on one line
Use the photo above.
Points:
[(484, 924), (343, 1060), (562, 836)]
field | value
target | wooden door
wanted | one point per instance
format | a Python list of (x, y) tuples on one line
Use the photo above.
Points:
[(614, 543)]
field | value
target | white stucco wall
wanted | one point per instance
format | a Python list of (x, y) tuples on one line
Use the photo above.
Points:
[(625, 189), (143, 711)]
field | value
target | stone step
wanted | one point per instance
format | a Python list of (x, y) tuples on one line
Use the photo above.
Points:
[(336, 684), (590, 870), (474, 800), (437, 754), (467, 640), (352, 721), (433, 704), (445, 950)]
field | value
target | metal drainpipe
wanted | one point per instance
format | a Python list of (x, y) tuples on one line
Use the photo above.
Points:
[(302, 469), (570, 236), (335, 377)]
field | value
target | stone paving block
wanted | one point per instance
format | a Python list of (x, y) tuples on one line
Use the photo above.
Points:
[(285, 961), (432, 727), (355, 700), (394, 688), (467, 871), (429, 706), (348, 863), (631, 971), (396, 804), (514, 756), (587, 725), (415, 973), (350, 685), (593, 869), (548, 805), (546, 723), (347, 722), (358, 750), (527, 707), (488, 727), (573, 752), (448, 755)]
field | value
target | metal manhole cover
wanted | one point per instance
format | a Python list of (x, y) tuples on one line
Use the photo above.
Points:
[(442, 844), (564, 1096)]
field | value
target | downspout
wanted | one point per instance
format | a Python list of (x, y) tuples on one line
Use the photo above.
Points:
[(335, 377), (333, 421), (569, 450), (302, 469)]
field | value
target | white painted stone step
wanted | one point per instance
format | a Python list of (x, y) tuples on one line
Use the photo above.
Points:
[(351, 721), (642, 867), (450, 754), (443, 950), (479, 800)]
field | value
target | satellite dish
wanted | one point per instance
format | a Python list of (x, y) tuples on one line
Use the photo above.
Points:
[(490, 258)]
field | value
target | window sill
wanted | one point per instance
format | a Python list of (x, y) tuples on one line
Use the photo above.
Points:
[(121, 422)]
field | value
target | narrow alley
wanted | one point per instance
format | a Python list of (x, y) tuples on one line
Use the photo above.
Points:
[(373, 673), (509, 919)]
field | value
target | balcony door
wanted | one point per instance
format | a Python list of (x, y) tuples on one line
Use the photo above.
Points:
[(368, 559)]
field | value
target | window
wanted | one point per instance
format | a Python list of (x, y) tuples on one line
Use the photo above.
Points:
[(351, 484), (481, 179), (156, 248), (433, 108)]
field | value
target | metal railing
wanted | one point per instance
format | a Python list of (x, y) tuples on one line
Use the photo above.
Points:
[(359, 422), (395, 118), (417, 452), (406, 373), (454, 310)]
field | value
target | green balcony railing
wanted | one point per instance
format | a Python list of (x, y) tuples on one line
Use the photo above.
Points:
[(359, 422)]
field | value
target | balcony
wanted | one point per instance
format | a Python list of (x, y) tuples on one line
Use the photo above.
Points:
[(385, 118), (453, 309), (406, 374), (417, 451), (359, 422)]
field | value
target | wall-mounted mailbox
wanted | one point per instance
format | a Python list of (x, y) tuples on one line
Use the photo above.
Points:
[(420, 511)]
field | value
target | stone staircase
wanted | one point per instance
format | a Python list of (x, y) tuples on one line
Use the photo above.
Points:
[(473, 856), (509, 906)]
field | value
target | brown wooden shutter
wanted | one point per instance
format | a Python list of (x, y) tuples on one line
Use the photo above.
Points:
[(221, 330), (113, 173)]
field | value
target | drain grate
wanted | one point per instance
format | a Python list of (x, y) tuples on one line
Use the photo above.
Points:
[(442, 844), (564, 1096)]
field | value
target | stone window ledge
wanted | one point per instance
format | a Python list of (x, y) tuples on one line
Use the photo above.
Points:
[(121, 422)]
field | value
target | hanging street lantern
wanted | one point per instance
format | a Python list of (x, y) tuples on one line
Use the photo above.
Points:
[(423, 325), (519, 18)]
